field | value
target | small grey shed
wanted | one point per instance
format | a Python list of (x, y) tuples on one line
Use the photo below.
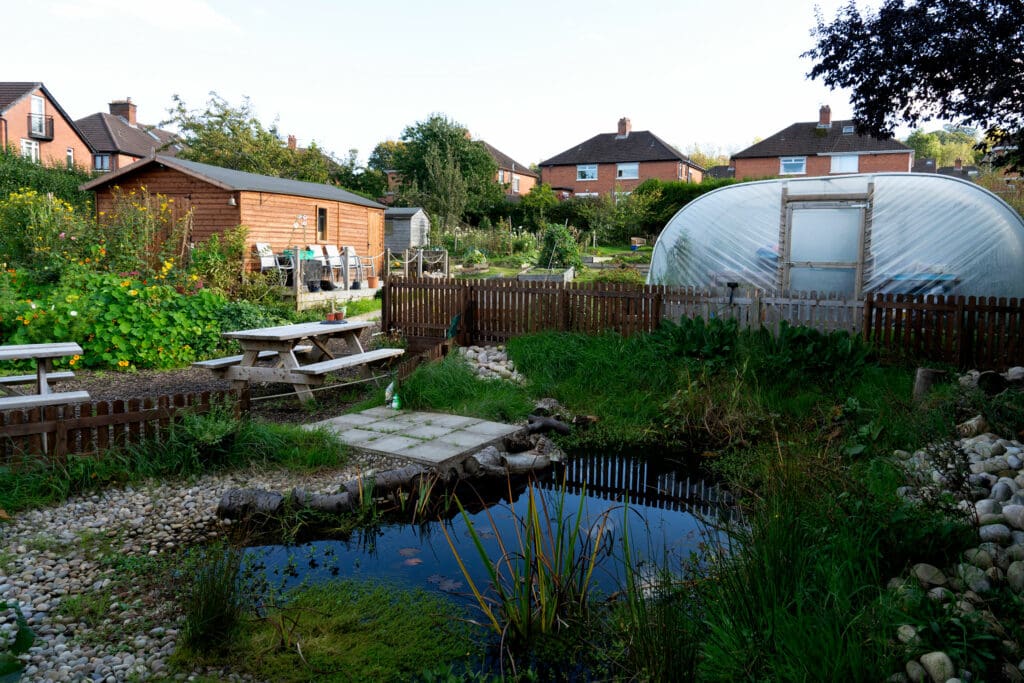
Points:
[(406, 228)]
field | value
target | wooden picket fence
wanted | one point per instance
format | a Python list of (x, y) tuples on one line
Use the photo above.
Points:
[(93, 428), (969, 332)]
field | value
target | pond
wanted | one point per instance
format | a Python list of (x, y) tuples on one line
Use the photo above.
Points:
[(671, 513)]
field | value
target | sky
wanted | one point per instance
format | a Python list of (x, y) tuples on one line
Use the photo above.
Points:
[(531, 78)]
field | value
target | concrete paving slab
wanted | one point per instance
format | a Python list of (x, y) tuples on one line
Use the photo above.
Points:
[(432, 439)]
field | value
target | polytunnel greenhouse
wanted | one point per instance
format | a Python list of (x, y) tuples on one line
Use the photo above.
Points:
[(854, 235)]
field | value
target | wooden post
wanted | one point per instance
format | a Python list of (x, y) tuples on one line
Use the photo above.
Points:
[(296, 275), (386, 270), (419, 263)]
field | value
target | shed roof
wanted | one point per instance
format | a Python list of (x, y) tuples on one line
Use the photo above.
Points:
[(230, 179), (607, 148), (402, 212), (810, 138)]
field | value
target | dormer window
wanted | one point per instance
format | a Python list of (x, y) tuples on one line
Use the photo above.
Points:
[(847, 130)]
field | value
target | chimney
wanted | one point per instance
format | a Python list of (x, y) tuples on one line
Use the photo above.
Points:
[(292, 142), (825, 116), (625, 127), (958, 164), (125, 109)]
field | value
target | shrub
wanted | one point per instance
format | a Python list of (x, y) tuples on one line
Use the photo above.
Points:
[(219, 260), (141, 232), (18, 173), (43, 235), (621, 276), (559, 248)]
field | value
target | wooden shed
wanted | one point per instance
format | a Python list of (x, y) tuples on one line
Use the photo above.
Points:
[(406, 229), (277, 211)]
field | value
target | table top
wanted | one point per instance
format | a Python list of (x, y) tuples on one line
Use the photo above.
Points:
[(54, 350), (299, 331)]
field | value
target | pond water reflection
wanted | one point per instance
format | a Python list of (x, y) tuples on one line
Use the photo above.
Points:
[(666, 511)]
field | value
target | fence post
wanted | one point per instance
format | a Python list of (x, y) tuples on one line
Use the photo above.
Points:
[(869, 304), (419, 263)]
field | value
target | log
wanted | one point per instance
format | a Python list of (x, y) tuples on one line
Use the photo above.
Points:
[(992, 383), (924, 380), (525, 462), (241, 503), (538, 423)]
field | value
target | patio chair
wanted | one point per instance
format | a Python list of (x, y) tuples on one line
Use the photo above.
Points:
[(355, 263), (271, 261), (334, 266)]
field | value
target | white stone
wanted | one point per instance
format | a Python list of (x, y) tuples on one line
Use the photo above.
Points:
[(997, 533), (939, 666), (1014, 515)]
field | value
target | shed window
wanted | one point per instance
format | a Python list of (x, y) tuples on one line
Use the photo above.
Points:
[(792, 165), (845, 163), (630, 171), (586, 172), (321, 224)]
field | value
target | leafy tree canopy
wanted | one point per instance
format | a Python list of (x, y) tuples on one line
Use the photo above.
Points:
[(447, 142), (945, 146), (232, 137), (917, 60), (383, 156)]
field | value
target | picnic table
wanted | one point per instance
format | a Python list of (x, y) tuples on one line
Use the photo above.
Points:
[(43, 395), (283, 345)]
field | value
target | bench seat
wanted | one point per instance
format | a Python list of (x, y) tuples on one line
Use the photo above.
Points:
[(227, 361), (11, 380), (41, 400), (354, 360)]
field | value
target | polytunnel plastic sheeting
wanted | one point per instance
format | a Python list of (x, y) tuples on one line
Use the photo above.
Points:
[(924, 234)]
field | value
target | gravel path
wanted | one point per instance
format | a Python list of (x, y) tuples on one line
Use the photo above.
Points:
[(61, 556)]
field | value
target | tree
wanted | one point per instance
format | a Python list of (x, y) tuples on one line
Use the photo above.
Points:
[(382, 158), (452, 141), (919, 60), (537, 204), (707, 157), (925, 145), (232, 137), (347, 173)]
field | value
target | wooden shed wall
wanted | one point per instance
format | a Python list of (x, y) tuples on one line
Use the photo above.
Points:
[(212, 214), (269, 217)]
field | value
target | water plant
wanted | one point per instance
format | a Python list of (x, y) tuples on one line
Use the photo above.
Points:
[(541, 582)]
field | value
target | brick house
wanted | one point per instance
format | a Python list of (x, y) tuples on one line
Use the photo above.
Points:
[(517, 179), (820, 148), (118, 139), (619, 161), (34, 124), (278, 211)]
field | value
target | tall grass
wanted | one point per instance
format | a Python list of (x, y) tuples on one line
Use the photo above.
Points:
[(451, 386), (212, 597)]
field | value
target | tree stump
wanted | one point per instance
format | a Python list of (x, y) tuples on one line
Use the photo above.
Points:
[(924, 380)]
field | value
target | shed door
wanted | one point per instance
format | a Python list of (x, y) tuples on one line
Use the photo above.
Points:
[(825, 247)]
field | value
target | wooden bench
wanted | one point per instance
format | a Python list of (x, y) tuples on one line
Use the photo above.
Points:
[(354, 360), (228, 361), (41, 400), (12, 380)]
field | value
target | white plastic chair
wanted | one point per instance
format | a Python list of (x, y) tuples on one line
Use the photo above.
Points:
[(335, 266), (271, 261), (355, 263)]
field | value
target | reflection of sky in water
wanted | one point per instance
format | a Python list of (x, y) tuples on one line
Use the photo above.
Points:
[(419, 555)]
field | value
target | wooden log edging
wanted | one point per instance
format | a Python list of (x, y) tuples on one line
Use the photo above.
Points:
[(238, 504)]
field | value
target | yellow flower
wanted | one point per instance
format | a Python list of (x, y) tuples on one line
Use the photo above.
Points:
[(122, 364), (133, 292), (126, 283)]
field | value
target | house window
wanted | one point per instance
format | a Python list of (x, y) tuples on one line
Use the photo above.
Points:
[(586, 195), (629, 171), (847, 130), (845, 163), (71, 157), (321, 224), (501, 176), (101, 162), (586, 172), (38, 116), (792, 165), (515, 185), (30, 149)]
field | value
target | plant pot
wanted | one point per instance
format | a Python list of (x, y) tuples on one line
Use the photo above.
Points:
[(336, 316), (372, 282), (313, 285)]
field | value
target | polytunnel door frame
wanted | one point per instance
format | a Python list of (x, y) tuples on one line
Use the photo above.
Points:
[(804, 251)]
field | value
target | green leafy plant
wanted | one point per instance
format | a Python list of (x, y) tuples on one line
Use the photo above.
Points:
[(558, 248), (542, 581), (11, 667)]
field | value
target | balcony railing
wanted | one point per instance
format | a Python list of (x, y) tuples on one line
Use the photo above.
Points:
[(40, 127)]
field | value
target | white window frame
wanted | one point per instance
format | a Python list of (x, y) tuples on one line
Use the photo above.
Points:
[(584, 171), (501, 176), (792, 161), (30, 149), (629, 170), (71, 157), (585, 195), (38, 115), (845, 163), (515, 184), (97, 166)]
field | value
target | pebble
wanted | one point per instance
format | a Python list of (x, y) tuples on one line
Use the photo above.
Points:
[(491, 362), (50, 560)]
